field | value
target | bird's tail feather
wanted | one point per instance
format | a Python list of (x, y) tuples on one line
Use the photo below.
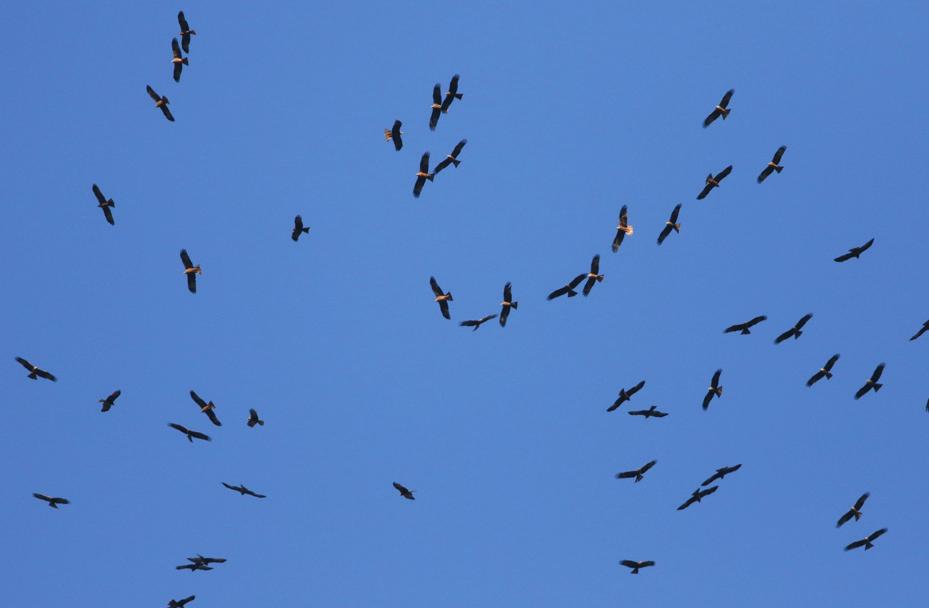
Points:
[(797, 334), (450, 298), (600, 278), (185, 61), (677, 227), (261, 422), (456, 162), (828, 375), (459, 95), (514, 305), (877, 386), (430, 176), (778, 168)]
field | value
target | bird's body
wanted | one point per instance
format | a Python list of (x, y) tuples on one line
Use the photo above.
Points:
[(671, 224), (109, 401), (636, 566), (177, 60), (35, 372), (190, 271), (185, 32), (452, 94), (854, 252), (199, 559), (713, 181), (745, 328), (395, 134), (422, 175), (53, 501), (773, 165), (436, 106), (872, 383), (191, 435), (404, 491), (160, 102), (697, 496), (721, 109), (625, 395), (569, 288), (796, 331), (594, 276), (243, 491), (623, 229), (637, 474), (181, 603), (854, 512), (451, 159), (714, 390), (921, 331), (721, 474), (193, 567), (866, 542), (207, 408), (476, 323), (441, 297), (652, 412), (824, 372), (253, 419), (106, 204), (507, 304), (299, 229)]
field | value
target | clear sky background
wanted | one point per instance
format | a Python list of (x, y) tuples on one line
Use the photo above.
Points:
[(570, 110)]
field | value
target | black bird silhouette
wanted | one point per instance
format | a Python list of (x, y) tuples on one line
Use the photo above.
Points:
[(773, 165), (507, 304), (105, 204), (824, 372), (422, 175), (872, 382), (594, 275), (176, 59), (451, 159), (35, 372), (921, 331), (854, 252), (191, 271), (181, 603), (206, 408), (715, 390), (253, 419), (639, 473), (160, 102), (436, 106), (298, 229), (721, 109), (441, 297), (670, 224), (110, 401), (569, 288), (404, 491), (206, 560), (721, 474), (796, 331), (452, 93), (625, 395), (623, 229), (745, 328), (697, 496), (713, 182), (185, 32), (476, 323), (395, 134), (193, 567), (855, 511), (53, 501), (241, 489), (636, 565), (652, 412), (866, 542), (191, 435)]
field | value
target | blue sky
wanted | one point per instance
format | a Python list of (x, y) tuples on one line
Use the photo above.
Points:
[(570, 111)]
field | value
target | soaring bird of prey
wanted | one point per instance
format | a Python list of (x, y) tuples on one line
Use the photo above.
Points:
[(715, 389), (721, 474), (866, 542), (652, 412), (193, 567), (298, 229), (476, 323), (507, 304), (206, 560), (921, 331), (625, 395), (721, 109), (636, 565), (855, 511), (35, 372), (623, 229), (110, 401), (160, 102), (185, 32), (639, 473), (422, 175), (872, 382), (395, 134), (713, 182), (670, 224), (773, 165), (594, 275), (745, 328), (206, 408), (796, 331), (253, 419), (569, 288), (697, 496), (53, 501), (105, 204), (241, 489), (183, 602), (824, 372), (176, 59), (191, 435), (854, 252), (441, 297), (191, 271), (436, 106), (404, 491), (451, 159), (452, 93)]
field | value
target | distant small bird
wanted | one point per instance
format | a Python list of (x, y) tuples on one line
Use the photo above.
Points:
[(404, 491), (110, 401), (436, 106), (872, 382), (394, 134), (441, 297), (241, 489), (206, 560), (34, 371), (193, 567), (921, 331), (639, 473), (773, 165), (720, 474), (697, 496), (854, 252), (636, 566), (422, 175), (867, 542), (206, 408), (652, 412), (721, 109), (105, 204), (569, 288), (715, 390), (670, 224), (796, 331), (476, 323), (594, 275), (745, 328), (298, 229), (824, 372), (623, 229), (452, 93), (176, 59), (191, 271), (855, 511), (185, 32), (191, 435), (451, 159), (53, 501), (160, 102), (625, 395), (253, 419), (507, 304), (713, 182), (181, 603)]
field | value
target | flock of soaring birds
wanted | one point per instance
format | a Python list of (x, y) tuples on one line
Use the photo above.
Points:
[(440, 106)]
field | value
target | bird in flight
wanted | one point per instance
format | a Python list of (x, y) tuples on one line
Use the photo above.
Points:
[(441, 297), (422, 175), (866, 542), (594, 275), (185, 32), (191, 435), (298, 229), (160, 102), (824, 372), (105, 204), (623, 229), (507, 304), (773, 165), (921, 331), (436, 106), (652, 412), (241, 489), (253, 419), (206, 408), (193, 567), (854, 252), (452, 93), (872, 382), (713, 182), (715, 390), (670, 224), (35, 372), (721, 109), (639, 473), (394, 134), (206, 560), (721, 474), (451, 159), (53, 501), (796, 331), (110, 401), (745, 328), (855, 511), (625, 395), (191, 271), (569, 288), (636, 566), (181, 603), (176, 59), (404, 491), (476, 323), (697, 496)]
